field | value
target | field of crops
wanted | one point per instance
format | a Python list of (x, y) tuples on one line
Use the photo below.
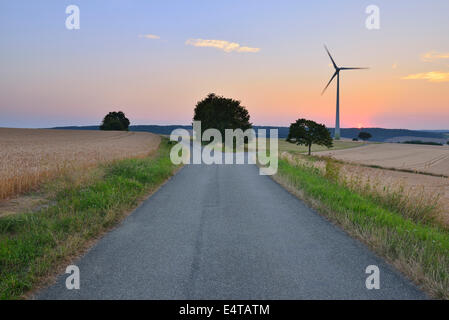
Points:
[(421, 158), (31, 156)]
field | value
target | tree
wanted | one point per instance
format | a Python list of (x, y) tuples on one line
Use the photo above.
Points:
[(115, 121), (217, 112), (364, 135), (308, 132)]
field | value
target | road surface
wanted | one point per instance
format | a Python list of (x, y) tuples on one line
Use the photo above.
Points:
[(225, 232)]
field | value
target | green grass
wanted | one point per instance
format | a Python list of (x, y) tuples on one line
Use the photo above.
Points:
[(419, 250), (234, 148), (294, 148), (338, 144), (34, 245)]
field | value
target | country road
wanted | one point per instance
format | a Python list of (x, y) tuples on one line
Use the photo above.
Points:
[(225, 232)]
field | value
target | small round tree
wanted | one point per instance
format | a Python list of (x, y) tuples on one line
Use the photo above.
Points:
[(365, 135), (115, 121), (217, 112), (308, 132)]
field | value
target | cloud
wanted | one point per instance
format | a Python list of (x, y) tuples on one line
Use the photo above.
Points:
[(149, 36), (434, 55), (433, 76), (226, 46)]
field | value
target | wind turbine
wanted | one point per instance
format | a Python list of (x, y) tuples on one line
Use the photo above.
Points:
[(337, 73)]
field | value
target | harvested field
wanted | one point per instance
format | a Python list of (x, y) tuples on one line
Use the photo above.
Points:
[(30, 156), (420, 158), (418, 188)]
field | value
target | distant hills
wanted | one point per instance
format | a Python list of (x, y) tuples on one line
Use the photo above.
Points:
[(379, 134)]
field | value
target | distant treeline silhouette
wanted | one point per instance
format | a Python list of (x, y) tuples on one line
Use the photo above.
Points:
[(378, 134), (423, 142)]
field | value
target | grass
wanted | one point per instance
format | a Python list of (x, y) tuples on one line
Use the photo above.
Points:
[(414, 204), (338, 144), (245, 148), (417, 247), (34, 245), (294, 148)]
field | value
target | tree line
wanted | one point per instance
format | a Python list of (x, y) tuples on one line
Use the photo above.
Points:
[(218, 112)]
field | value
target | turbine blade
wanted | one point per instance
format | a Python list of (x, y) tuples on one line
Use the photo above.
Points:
[(333, 62), (329, 82), (352, 68)]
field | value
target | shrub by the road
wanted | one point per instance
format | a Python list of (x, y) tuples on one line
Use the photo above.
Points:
[(365, 135)]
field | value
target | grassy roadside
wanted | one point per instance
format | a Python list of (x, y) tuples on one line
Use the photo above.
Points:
[(283, 145), (34, 245), (338, 145), (419, 250)]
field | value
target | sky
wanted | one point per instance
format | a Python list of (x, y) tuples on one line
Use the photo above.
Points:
[(155, 60)]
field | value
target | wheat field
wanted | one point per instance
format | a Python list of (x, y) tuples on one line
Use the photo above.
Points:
[(31, 156)]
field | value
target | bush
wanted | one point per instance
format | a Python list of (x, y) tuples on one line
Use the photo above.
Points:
[(365, 135)]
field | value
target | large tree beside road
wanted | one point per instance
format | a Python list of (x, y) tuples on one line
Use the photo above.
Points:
[(221, 113)]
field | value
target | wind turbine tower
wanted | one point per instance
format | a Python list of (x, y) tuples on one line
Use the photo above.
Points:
[(337, 74)]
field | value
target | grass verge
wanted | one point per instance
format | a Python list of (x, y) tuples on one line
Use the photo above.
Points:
[(419, 250), (34, 245)]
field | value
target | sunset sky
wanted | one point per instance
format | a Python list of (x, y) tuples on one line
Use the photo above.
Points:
[(155, 59)]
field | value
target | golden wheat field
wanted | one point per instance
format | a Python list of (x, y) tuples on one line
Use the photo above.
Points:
[(422, 158), (31, 156)]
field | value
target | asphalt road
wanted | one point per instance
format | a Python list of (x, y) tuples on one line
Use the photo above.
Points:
[(225, 232)]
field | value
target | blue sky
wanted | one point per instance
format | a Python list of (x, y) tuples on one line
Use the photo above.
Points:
[(54, 76)]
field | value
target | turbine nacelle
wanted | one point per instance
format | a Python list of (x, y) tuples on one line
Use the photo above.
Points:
[(337, 69)]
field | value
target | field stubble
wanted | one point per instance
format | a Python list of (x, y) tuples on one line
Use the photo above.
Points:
[(407, 157)]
